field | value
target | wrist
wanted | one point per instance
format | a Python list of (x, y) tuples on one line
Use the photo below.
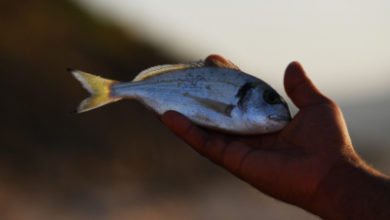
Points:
[(352, 190)]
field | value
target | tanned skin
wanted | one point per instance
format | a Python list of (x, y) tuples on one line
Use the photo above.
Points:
[(311, 163)]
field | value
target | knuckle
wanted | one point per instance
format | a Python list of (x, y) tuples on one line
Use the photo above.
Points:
[(331, 104), (324, 100)]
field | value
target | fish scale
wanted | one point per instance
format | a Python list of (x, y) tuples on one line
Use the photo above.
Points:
[(206, 81), (213, 93)]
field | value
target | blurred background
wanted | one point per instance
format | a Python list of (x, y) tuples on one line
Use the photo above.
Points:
[(119, 161)]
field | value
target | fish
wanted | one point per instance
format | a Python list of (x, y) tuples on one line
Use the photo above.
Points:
[(212, 93)]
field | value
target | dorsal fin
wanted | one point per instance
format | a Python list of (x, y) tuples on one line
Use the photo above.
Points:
[(219, 61), (156, 70), (211, 60)]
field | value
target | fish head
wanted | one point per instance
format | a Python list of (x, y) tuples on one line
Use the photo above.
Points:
[(263, 109)]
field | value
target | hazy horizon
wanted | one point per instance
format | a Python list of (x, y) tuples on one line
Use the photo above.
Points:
[(343, 45)]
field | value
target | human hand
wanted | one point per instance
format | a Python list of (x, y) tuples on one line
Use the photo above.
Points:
[(292, 165)]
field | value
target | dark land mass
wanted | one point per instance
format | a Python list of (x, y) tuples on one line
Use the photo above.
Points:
[(50, 154)]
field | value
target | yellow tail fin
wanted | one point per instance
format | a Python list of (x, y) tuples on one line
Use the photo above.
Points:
[(98, 87)]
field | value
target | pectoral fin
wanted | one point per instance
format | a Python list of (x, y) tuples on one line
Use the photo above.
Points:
[(220, 107)]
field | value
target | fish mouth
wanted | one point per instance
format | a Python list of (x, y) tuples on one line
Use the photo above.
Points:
[(279, 118)]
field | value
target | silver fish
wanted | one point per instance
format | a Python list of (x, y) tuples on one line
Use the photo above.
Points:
[(213, 93)]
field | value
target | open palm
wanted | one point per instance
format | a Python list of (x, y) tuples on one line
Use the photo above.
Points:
[(290, 164)]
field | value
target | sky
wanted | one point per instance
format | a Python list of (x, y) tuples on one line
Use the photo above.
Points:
[(343, 45)]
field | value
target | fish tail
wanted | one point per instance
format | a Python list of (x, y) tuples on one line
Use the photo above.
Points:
[(98, 87)]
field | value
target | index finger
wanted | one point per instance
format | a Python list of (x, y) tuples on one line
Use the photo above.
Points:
[(202, 141), (231, 154)]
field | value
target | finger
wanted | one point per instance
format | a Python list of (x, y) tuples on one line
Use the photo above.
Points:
[(264, 141), (206, 143), (228, 154), (249, 163), (300, 88)]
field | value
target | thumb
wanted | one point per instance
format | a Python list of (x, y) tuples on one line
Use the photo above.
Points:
[(300, 88)]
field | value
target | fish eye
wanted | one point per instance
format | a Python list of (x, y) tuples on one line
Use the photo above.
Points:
[(271, 97)]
